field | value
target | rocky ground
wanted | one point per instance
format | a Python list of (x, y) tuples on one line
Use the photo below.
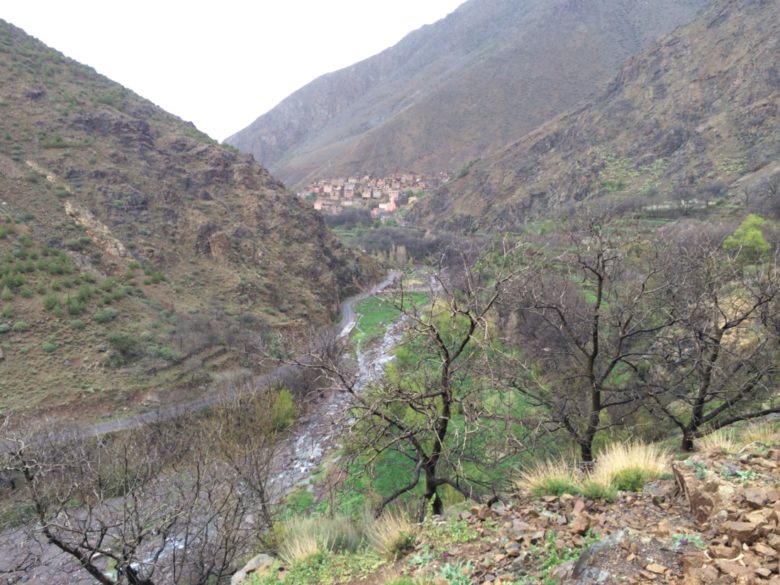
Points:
[(714, 519)]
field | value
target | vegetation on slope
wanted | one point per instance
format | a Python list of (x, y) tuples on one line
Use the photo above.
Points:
[(220, 259)]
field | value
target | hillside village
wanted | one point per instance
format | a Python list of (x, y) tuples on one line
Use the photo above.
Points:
[(382, 195)]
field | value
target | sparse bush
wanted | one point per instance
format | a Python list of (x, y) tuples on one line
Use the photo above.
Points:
[(50, 302), (764, 433), (126, 347), (283, 410), (78, 324), (75, 306), (48, 347), (594, 490), (20, 326), (8, 311), (105, 315), (722, 440), (4, 327)]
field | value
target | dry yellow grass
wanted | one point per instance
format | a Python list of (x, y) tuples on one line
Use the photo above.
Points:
[(298, 546), (392, 534), (764, 433), (551, 477), (627, 465), (723, 440)]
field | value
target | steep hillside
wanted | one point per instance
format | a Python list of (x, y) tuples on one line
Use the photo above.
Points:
[(447, 93), (693, 117), (136, 254)]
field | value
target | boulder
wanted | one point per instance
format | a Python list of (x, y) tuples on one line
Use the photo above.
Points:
[(260, 565)]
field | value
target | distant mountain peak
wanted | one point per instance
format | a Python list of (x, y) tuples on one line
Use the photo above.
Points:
[(450, 92)]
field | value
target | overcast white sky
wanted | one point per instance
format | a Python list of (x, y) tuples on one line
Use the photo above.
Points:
[(220, 64)]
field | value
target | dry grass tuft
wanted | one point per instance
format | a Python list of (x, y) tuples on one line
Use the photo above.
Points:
[(301, 538), (298, 546), (720, 441), (549, 478), (627, 466), (392, 535), (764, 433)]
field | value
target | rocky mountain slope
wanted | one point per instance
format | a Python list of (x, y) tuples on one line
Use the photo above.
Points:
[(452, 91), (136, 254), (693, 117)]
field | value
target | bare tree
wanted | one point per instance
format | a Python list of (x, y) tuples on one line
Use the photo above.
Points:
[(413, 412), (586, 319), (141, 508), (720, 362)]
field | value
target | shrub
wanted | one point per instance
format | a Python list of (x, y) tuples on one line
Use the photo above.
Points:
[(630, 479), (594, 490), (283, 410), (392, 535), (105, 315), (25, 292), (8, 311), (4, 327), (6, 295), (77, 324), (549, 478), (628, 466), (50, 302), (20, 326), (126, 347), (75, 306), (48, 347)]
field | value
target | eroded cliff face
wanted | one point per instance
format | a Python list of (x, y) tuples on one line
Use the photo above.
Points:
[(692, 117), (455, 90)]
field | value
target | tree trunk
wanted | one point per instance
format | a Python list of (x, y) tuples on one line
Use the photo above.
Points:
[(432, 492), (687, 441), (586, 452)]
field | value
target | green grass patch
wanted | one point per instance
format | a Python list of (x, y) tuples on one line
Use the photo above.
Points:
[(375, 314)]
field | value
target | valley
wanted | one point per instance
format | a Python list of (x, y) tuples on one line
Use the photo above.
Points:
[(545, 352)]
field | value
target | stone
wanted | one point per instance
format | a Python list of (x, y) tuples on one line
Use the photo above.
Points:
[(656, 568), (733, 568), (765, 550), (721, 551), (701, 576), (664, 528), (581, 524), (745, 532), (260, 565), (755, 497)]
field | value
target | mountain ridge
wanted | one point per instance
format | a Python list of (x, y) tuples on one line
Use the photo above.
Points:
[(692, 118), (501, 67)]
